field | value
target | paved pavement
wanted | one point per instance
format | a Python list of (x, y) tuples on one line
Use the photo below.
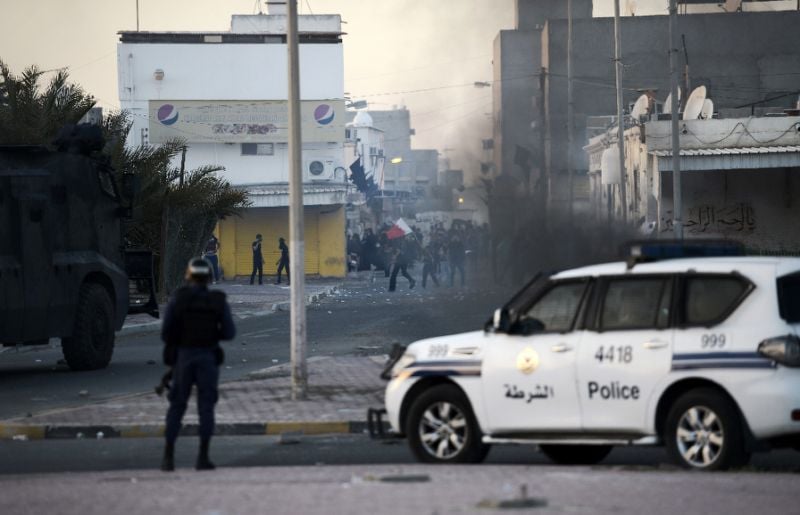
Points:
[(340, 391), (246, 300), (400, 489)]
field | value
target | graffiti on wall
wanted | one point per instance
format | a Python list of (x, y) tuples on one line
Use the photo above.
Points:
[(706, 218)]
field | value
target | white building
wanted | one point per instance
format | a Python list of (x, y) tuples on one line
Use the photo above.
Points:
[(366, 142), (225, 93)]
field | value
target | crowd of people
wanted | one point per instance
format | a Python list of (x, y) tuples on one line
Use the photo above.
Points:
[(445, 254)]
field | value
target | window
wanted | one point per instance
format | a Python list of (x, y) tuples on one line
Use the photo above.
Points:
[(709, 299), (558, 307), (789, 297), (258, 149), (639, 303)]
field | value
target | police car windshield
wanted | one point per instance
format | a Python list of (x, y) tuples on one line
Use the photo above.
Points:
[(522, 298)]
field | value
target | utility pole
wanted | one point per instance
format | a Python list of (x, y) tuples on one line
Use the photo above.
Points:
[(623, 187), (677, 201), (296, 238), (570, 116)]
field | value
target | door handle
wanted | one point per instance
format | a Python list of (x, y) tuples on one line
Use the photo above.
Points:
[(654, 344), (561, 347)]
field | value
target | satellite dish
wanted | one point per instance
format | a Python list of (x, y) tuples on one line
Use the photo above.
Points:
[(640, 108), (694, 104), (708, 109), (668, 102), (609, 166)]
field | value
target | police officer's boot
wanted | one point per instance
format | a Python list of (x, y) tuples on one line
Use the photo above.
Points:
[(203, 463), (168, 462)]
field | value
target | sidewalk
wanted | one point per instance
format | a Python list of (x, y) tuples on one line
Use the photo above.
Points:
[(246, 300), (340, 391)]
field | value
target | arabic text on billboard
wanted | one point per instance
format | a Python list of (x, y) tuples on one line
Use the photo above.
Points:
[(243, 122)]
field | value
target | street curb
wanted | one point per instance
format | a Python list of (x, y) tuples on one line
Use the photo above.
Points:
[(48, 432), (278, 306)]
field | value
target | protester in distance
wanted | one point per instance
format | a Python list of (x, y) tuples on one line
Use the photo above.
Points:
[(400, 265), (212, 256), (258, 261), (283, 261)]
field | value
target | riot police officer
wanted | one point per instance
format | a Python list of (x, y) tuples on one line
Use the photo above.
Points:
[(195, 320)]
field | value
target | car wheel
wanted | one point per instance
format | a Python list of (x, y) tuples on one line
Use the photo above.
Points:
[(441, 428), (576, 454), (92, 342), (704, 431)]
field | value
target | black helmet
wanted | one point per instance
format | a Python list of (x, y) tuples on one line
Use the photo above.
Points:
[(198, 268)]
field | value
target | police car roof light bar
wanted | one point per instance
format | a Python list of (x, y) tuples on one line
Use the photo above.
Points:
[(645, 251)]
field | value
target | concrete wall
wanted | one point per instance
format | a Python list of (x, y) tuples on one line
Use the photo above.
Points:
[(729, 53), (220, 72), (515, 93), (532, 14), (756, 207)]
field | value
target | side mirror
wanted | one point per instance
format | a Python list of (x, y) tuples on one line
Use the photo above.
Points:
[(501, 321)]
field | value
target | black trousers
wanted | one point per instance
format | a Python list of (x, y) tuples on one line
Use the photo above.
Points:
[(258, 266), (453, 266), (283, 263), (402, 269), (429, 269), (194, 366)]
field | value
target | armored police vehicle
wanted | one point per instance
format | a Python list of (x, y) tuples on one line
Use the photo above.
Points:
[(62, 259), (701, 355)]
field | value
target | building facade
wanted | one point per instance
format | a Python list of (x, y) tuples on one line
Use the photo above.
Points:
[(728, 52), (740, 180), (225, 94)]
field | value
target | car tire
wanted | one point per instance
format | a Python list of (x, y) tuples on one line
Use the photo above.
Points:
[(576, 454), (704, 431), (92, 342), (441, 427)]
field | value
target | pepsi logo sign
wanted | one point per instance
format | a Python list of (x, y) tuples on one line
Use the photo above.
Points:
[(167, 114), (324, 114)]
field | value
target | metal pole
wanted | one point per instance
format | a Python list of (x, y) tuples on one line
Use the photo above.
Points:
[(677, 202), (296, 243), (137, 15), (623, 194), (570, 115)]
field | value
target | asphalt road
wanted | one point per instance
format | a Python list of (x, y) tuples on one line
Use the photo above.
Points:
[(360, 319), (53, 456)]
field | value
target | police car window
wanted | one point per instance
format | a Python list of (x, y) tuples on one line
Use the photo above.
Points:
[(635, 304), (710, 298), (789, 297), (557, 308)]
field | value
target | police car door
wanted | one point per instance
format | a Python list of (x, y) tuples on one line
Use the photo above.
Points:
[(529, 379), (625, 352)]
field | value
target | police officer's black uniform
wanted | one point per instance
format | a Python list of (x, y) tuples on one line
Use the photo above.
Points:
[(195, 320)]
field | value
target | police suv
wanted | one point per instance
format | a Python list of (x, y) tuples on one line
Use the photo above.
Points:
[(701, 355)]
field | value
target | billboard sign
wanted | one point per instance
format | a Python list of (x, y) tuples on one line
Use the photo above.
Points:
[(244, 121)]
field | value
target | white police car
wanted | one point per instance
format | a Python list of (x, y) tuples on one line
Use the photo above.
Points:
[(701, 355)]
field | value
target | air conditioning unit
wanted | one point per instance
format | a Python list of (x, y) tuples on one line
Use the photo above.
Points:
[(319, 169)]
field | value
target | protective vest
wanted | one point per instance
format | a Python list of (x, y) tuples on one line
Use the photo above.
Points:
[(199, 314)]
